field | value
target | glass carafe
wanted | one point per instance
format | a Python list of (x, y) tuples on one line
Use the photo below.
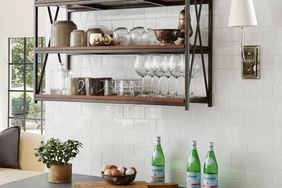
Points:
[(60, 81)]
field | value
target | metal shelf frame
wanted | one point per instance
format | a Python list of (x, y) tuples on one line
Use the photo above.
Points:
[(189, 50)]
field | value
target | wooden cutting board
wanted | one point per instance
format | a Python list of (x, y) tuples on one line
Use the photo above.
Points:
[(136, 184)]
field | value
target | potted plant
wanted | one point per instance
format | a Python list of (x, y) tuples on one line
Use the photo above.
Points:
[(56, 155)]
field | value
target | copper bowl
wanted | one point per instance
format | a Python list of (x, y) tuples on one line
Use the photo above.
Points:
[(167, 36), (119, 180)]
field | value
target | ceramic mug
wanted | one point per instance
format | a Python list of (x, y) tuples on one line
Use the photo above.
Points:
[(78, 86)]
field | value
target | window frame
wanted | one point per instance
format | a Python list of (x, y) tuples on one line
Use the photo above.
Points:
[(25, 91)]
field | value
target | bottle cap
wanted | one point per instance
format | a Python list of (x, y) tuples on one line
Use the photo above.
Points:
[(210, 144), (158, 138), (194, 143)]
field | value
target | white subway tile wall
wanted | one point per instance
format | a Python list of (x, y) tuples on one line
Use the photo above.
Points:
[(245, 121)]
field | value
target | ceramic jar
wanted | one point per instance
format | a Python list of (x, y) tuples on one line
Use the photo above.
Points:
[(60, 33), (78, 38)]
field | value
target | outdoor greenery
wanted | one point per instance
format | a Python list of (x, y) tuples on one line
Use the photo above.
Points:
[(22, 52), (56, 152), (31, 109), (18, 56)]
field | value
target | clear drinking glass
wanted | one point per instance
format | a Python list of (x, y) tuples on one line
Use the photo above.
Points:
[(139, 67)]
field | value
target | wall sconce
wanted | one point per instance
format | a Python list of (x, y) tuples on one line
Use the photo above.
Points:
[(242, 14)]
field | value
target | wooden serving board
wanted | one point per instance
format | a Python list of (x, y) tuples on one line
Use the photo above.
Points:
[(136, 184)]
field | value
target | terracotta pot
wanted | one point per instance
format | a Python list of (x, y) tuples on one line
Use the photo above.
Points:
[(60, 173)]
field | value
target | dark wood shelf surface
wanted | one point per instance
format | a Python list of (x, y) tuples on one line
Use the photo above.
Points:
[(86, 5), (137, 49), (119, 99)]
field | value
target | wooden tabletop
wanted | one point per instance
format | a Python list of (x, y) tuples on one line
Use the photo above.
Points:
[(41, 181)]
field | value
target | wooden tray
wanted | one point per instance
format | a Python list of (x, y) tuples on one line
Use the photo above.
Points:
[(135, 184)]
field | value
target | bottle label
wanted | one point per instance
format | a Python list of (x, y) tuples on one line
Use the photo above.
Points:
[(193, 180), (158, 174), (210, 180)]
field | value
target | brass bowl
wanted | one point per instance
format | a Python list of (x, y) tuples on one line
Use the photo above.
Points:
[(119, 180), (167, 36)]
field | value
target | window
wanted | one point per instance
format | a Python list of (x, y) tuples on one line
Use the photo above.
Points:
[(22, 110)]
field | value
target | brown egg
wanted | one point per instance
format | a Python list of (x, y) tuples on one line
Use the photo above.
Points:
[(107, 172), (113, 167), (134, 169), (116, 172)]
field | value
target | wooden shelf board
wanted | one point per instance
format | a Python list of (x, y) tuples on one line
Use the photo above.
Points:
[(136, 49), (119, 99), (81, 5)]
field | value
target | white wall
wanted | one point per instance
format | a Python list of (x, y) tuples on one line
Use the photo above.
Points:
[(245, 122), (16, 18)]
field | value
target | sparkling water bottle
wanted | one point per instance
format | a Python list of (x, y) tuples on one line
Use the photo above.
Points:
[(194, 168), (158, 163), (210, 177)]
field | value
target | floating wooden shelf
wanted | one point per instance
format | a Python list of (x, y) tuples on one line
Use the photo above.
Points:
[(119, 99), (86, 5), (137, 49)]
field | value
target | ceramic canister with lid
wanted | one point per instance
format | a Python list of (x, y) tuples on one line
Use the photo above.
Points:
[(60, 33), (78, 38)]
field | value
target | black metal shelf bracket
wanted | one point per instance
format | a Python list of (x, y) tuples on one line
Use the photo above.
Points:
[(38, 86)]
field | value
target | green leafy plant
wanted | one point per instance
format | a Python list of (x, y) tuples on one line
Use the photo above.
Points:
[(56, 152)]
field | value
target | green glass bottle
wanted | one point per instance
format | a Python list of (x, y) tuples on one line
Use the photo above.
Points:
[(158, 163), (194, 168), (210, 177)]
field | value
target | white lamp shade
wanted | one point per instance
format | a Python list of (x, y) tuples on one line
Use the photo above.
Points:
[(242, 13)]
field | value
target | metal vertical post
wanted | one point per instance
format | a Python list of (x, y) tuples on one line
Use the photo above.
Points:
[(68, 56), (9, 80), (35, 66), (187, 55), (210, 52), (24, 77)]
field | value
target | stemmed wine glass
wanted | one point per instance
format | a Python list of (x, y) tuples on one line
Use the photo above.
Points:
[(149, 68), (174, 69), (165, 90), (139, 67), (157, 61), (182, 77), (197, 67)]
